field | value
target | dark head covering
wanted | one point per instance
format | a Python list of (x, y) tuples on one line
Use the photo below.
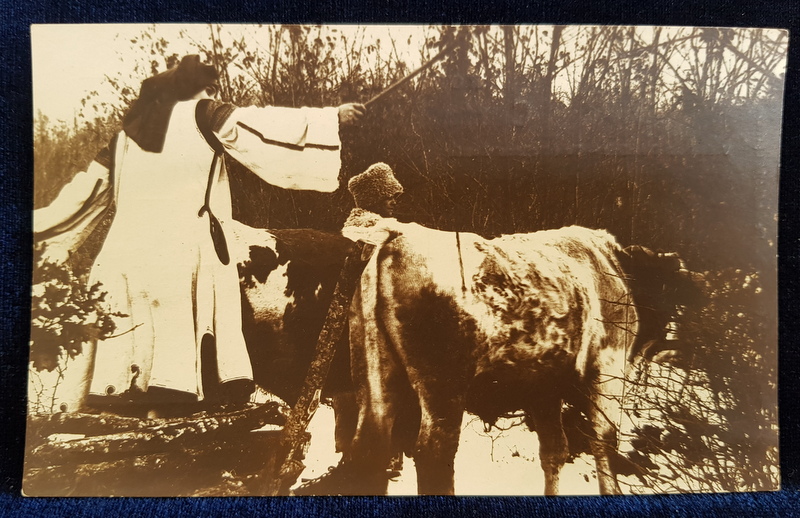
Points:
[(148, 119), (373, 185)]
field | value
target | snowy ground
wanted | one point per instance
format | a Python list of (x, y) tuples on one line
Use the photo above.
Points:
[(497, 463)]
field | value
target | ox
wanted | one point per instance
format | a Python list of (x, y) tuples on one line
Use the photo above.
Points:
[(444, 322), (286, 290)]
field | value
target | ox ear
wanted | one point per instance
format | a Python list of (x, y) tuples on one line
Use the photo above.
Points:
[(261, 262), (393, 234)]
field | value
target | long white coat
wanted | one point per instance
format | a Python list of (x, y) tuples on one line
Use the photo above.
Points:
[(158, 262)]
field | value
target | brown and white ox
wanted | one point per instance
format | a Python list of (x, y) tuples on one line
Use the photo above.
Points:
[(445, 321), (287, 286)]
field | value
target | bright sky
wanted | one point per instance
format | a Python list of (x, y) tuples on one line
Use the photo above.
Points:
[(69, 61)]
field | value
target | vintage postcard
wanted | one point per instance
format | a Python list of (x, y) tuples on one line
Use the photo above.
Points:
[(400, 260)]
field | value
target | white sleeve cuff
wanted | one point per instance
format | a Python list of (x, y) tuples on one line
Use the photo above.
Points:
[(72, 198)]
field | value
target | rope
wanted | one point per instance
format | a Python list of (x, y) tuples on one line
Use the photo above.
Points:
[(461, 264)]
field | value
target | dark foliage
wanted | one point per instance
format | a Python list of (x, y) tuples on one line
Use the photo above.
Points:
[(714, 427), (65, 313)]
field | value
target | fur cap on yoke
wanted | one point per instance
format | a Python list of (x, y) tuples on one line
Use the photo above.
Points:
[(373, 185)]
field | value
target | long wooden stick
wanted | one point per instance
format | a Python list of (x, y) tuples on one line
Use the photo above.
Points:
[(397, 84), (283, 468)]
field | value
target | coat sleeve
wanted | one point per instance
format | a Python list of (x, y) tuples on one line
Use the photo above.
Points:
[(70, 219), (292, 148)]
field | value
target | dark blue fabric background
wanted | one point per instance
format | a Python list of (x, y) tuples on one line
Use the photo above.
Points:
[(15, 244)]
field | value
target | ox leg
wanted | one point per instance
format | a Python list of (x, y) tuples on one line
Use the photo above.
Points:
[(370, 456), (362, 469), (605, 412), (436, 451), (345, 410), (439, 382), (605, 475), (375, 376), (387, 413), (553, 450), (437, 368), (604, 446)]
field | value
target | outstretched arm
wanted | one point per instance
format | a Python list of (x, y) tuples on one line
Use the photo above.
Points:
[(69, 220), (292, 148)]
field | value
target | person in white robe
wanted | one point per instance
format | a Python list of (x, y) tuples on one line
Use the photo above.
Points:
[(159, 263)]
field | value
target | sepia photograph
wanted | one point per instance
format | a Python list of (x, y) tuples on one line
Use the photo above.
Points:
[(314, 260)]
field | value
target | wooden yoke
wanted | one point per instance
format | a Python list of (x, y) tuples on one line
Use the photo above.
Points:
[(283, 469)]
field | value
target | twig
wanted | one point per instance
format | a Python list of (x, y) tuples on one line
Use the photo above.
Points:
[(124, 332)]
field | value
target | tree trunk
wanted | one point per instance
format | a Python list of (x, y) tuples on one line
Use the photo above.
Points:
[(227, 468), (546, 106), (509, 85), (150, 436)]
